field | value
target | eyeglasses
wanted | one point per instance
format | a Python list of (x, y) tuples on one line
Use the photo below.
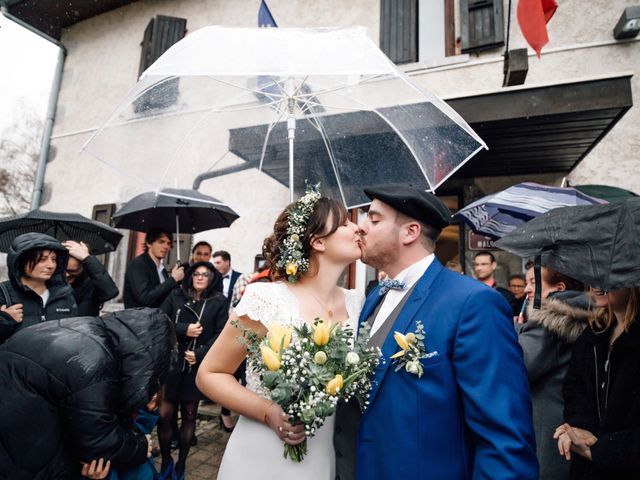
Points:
[(201, 274)]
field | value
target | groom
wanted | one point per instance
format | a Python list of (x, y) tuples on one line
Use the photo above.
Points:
[(469, 415)]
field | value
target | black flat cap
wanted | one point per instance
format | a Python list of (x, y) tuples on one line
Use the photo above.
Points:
[(413, 202)]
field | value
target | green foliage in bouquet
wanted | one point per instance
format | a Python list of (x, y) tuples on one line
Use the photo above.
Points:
[(307, 369)]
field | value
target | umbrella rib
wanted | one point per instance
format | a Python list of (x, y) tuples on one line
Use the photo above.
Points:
[(329, 148)]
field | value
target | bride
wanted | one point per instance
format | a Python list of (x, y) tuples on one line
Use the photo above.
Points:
[(329, 242)]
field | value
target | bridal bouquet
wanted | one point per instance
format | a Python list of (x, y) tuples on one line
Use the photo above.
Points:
[(308, 369)]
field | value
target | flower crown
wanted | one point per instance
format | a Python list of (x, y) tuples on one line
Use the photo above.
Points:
[(292, 259)]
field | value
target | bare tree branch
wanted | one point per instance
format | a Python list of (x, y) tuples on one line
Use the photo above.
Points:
[(19, 153)]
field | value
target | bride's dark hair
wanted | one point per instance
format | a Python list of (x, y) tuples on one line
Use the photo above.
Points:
[(327, 216)]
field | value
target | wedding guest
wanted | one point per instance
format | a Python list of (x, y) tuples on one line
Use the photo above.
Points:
[(199, 312), (92, 285), (146, 281), (546, 340), (601, 433), (37, 289), (222, 262), (484, 266), (201, 252), (70, 387)]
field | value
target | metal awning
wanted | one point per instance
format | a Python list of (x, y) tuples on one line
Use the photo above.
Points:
[(51, 17), (529, 130), (543, 129)]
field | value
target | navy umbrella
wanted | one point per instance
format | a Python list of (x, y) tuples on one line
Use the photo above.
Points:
[(596, 244), (500, 213), (100, 238), (174, 209)]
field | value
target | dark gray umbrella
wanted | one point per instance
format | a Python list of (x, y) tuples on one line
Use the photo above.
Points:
[(174, 209), (100, 238), (596, 244)]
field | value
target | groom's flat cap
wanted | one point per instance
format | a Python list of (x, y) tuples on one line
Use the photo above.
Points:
[(413, 202)]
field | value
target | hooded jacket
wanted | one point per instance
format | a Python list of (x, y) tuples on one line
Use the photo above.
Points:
[(547, 340), (212, 309), (61, 303), (69, 389)]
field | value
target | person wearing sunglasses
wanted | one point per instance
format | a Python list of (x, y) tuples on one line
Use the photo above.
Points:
[(199, 311)]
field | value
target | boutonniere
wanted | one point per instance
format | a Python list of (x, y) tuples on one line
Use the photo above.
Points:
[(412, 350)]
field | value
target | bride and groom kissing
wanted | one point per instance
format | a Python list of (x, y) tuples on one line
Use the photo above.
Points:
[(460, 411)]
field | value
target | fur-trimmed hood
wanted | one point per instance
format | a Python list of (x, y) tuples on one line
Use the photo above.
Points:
[(566, 314)]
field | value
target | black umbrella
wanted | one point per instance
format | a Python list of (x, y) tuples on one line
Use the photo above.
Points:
[(100, 238), (596, 244), (174, 209)]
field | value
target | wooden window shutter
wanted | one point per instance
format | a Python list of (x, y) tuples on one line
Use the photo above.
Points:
[(161, 33), (481, 24), (103, 213), (399, 30)]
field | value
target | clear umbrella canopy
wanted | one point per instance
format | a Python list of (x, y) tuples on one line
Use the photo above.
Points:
[(301, 105)]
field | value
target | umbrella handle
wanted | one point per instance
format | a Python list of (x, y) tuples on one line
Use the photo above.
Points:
[(291, 127), (178, 236)]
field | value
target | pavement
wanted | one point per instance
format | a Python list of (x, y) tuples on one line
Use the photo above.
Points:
[(204, 459)]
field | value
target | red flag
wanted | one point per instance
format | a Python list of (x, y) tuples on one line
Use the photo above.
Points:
[(533, 16)]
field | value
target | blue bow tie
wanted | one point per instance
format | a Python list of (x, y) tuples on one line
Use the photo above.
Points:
[(386, 285)]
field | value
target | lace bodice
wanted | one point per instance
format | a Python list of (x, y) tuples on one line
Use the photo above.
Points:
[(273, 302)]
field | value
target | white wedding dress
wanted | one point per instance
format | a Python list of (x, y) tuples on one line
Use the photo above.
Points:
[(254, 450)]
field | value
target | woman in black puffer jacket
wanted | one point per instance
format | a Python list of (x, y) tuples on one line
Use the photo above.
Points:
[(199, 311), (36, 264), (69, 389), (602, 392)]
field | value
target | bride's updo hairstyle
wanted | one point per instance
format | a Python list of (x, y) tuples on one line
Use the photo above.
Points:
[(288, 250)]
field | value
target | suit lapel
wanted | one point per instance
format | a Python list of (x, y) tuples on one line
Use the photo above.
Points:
[(403, 322), (369, 305)]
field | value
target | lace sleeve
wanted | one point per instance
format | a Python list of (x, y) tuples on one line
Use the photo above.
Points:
[(259, 302)]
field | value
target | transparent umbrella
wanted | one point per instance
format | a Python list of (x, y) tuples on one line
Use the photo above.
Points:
[(301, 105)]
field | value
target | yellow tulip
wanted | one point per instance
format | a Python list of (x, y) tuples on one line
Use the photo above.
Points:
[(278, 335), (292, 268), (321, 333), (410, 337), (335, 384), (398, 354), (270, 358), (401, 340)]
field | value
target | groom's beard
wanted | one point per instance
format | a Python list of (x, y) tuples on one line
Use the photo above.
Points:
[(379, 255)]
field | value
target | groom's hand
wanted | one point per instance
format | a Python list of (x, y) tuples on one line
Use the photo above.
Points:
[(278, 421)]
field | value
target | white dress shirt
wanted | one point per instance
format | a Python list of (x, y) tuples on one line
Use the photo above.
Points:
[(226, 279), (160, 268), (393, 297)]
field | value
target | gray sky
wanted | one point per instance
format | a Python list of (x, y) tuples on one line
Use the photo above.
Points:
[(26, 71)]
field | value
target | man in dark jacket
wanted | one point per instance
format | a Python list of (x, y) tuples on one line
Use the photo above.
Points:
[(36, 264), (92, 285), (146, 282), (70, 387), (484, 266)]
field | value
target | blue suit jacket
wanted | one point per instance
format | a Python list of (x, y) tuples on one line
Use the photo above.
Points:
[(469, 416)]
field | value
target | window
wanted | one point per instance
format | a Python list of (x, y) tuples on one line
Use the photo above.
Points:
[(481, 24), (417, 30), (161, 33), (399, 30)]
